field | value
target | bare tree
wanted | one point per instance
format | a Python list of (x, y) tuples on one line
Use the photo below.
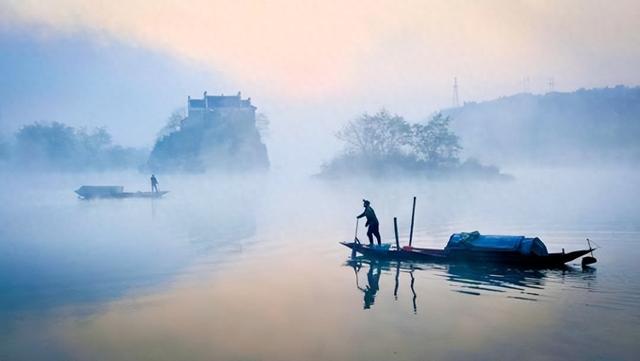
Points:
[(378, 135)]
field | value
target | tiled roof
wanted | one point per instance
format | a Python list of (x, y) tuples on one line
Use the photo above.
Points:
[(221, 101)]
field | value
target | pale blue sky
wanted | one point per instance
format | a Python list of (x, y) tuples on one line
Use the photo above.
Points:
[(310, 66), (80, 82)]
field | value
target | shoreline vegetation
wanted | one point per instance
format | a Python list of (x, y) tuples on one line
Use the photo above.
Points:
[(384, 145), (595, 127), (58, 147)]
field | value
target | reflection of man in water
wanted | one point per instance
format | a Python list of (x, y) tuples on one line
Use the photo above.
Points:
[(373, 280), (372, 222), (154, 183)]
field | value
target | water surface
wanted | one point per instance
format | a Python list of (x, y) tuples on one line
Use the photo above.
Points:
[(249, 268)]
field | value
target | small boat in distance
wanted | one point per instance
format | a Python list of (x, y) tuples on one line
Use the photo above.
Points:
[(474, 247), (91, 192)]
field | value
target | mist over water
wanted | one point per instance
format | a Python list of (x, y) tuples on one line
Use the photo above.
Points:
[(249, 267), (268, 124)]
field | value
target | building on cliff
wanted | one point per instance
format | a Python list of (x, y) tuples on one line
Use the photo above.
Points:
[(219, 132), (212, 103)]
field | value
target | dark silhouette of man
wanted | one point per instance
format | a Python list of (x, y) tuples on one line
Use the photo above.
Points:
[(373, 280), (372, 222), (154, 183)]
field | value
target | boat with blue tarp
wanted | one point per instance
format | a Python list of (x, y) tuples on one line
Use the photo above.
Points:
[(476, 247)]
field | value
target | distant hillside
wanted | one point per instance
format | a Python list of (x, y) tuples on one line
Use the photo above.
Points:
[(596, 125)]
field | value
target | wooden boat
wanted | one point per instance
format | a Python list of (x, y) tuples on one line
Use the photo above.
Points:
[(473, 247), (91, 192), (442, 255)]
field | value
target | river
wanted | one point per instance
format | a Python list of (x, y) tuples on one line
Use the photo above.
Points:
[(249, 268)]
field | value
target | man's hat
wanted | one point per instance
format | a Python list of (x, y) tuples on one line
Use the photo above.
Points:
[(366, 202)]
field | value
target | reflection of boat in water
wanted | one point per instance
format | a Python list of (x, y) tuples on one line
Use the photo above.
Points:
[(476, 248), (468, 278), (90, 192), (475, 279)]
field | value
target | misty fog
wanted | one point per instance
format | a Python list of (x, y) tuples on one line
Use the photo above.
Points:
[(59, 250), (267, 126)]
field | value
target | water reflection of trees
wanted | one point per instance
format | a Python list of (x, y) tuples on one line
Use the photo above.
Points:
[(469, 279)]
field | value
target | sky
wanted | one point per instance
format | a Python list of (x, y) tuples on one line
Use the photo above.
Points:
[(309, 65)]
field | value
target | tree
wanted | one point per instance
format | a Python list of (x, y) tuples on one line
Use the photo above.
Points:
[(384, 144), (434, 143), (53, 142), (93, 141), (58, 146), (379, 135), (174, 122)]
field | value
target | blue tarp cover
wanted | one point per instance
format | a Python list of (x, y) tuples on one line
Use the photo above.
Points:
[(476, 241)]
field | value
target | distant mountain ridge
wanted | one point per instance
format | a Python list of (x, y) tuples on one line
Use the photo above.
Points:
[(587, 125)]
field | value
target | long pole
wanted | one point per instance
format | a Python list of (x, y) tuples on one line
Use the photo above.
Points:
[(413, 213), (355, 236), (395, 228)]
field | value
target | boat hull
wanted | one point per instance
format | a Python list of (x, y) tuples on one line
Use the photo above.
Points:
[(438, 255), (123, 195)]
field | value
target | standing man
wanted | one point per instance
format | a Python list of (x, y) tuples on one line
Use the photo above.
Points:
[(372, 222), (154, 184)]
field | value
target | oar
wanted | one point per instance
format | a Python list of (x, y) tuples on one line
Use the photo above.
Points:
[(355, 236)]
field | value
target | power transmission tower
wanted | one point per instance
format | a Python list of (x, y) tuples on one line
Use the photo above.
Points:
[(456, 97)]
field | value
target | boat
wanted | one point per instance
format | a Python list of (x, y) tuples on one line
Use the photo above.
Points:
[(475, 247), (91, 192)]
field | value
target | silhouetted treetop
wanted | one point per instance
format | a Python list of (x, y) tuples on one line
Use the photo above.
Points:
[(57, 146), (378, 135)]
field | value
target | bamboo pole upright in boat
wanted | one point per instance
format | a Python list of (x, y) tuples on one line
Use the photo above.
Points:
[(413, 213), (395, 228)]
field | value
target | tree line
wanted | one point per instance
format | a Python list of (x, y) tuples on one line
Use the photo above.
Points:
[(56, 146), (384, 144), (374, 145)]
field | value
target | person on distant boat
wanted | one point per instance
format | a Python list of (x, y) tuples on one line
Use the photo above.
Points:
[(154, 184), (372, 222)]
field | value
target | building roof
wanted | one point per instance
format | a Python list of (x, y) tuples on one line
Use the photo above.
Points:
[(220, 101)]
